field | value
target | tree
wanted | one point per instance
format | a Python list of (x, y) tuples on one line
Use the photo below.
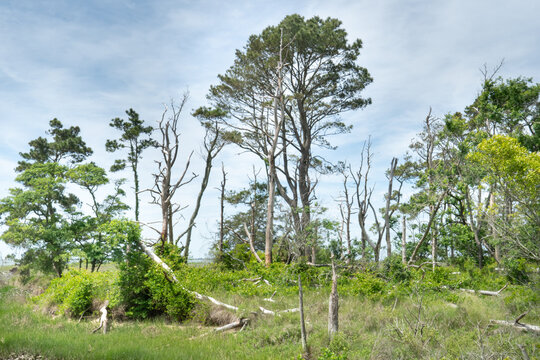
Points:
[(316, 79), (214, 141), (37, 213), (165, 186), (88, 230), (514, 171), (135, 138)]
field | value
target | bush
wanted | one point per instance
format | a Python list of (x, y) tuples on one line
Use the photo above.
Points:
[(516, 271), (77, 290), (146, 291)]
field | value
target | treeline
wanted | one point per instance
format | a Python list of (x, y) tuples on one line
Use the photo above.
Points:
[(475, 174)]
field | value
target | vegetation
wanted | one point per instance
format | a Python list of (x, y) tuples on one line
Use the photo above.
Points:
[(467, 197)]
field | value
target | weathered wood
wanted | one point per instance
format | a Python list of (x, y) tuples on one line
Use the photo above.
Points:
[(485, 292), (302, 323), (240, 323), (251, 246), (519, 326), (270, 312), (103, 318), (333, 306)]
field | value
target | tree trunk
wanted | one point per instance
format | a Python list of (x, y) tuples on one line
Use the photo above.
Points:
[(393, 166), (222, 213), (404, 241), (333, 306), (302, 323)]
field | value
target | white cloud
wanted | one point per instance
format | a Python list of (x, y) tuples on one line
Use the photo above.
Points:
[(87, 63)]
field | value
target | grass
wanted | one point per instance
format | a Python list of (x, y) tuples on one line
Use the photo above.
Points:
[(370, 328)]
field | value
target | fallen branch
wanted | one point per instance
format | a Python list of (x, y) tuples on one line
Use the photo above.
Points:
[(485, 292), (270, 312), (240, 323)]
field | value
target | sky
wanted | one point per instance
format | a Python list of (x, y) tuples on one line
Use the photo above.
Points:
[(87, 61)]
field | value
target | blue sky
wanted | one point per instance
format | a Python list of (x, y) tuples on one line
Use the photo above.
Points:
[(86, 62)]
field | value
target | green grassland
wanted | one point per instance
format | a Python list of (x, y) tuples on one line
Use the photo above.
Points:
[(384, 314)]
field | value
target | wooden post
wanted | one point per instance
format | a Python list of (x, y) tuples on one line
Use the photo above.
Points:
[(302, 323)]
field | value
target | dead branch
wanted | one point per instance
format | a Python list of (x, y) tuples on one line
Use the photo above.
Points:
[(251, 246), (270, 312)]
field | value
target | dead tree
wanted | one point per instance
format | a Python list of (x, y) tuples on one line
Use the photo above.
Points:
[(333, 306), (387, 214), (363, 194), (213, 144), (272, 153), (164, 186), (363, 198), (345, 210)]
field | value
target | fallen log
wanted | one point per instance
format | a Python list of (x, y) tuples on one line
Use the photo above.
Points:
[(240, 323), (516, 324), (199, 296), (519, 326), (485, 292)]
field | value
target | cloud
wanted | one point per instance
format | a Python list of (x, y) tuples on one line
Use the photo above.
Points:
[(87, 62)]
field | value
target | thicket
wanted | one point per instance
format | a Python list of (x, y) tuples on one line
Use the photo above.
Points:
[(140, 289)]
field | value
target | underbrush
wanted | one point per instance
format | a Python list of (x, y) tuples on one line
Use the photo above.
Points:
[(386, 312)]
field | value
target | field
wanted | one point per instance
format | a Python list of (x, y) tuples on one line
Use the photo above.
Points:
[(379, 319)]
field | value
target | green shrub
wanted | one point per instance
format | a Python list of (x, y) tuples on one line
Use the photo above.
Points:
[(516, 271), (147, 292), (77, 290), (395, 270), (519, 299)]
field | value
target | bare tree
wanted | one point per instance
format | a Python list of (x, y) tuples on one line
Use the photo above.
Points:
[(214, 142), (165, 187), (363, 193), (345, 210)]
